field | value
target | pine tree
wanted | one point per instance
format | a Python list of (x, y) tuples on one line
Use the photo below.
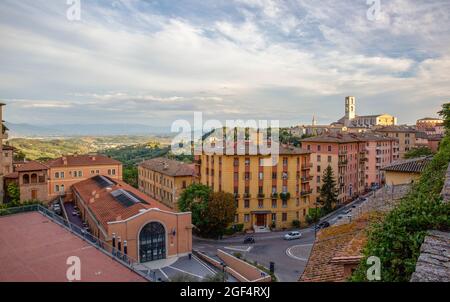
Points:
[(328, 192)]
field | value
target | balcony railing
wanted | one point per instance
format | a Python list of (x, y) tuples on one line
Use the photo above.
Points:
[(306, 192), (306, 179)]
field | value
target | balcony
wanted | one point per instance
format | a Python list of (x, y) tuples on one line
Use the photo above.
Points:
[(237, 196), (306, 179), (261, 195), (343, 163), (306, 192), (247, 195), (307, 166)]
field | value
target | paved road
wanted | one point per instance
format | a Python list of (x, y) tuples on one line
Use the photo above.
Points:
[(290, 257)]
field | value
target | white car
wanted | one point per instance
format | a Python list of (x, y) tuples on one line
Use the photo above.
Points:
[(292, 236)]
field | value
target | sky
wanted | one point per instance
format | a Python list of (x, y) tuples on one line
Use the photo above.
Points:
[(154, 62)]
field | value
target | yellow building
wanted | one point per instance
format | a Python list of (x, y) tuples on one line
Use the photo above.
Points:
[(404, 172), (266, 196), (165, 179), (406, 137)]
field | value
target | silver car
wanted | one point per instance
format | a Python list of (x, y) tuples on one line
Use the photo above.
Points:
[(292, 236)]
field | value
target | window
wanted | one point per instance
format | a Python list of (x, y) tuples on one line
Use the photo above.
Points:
[(319, 148), (246, 203), (274, 217), (274, 175), (56, 174), (329, 148), (260, 203), (236, 218), (284, 205), (62, 175), (261, 176), (285, 175), (184, 184), (62, 188), (318, 169), (285, 161), (56, 188), (247, 161), (247, 218), (113, 171), (236, 162), (284, 217), (236, 176), (329, 159), (274, 203), (92, 172), (318, 179)]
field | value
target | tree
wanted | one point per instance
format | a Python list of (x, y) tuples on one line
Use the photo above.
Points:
[(418, 152), (13, 192), (220, 212), (130, 175), (328, 192), (194, 199)]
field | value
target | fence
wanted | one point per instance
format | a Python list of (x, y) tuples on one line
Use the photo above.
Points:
[(99, 244)]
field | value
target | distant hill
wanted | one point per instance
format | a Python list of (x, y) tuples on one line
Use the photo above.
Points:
[(27, 130)]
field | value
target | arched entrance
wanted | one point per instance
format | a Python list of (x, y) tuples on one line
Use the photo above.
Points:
[(152, 242)]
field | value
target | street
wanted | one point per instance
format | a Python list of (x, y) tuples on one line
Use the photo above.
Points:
[(290, 257)]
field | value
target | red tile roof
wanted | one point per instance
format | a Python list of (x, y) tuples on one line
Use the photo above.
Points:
[(169, 167), (82, 160), (31, 166), (334, 247), (106, 208)]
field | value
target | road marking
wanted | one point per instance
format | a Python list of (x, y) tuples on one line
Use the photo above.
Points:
[(289, 252), (199, 261), (180, 270), (165, 275), (239, 249)]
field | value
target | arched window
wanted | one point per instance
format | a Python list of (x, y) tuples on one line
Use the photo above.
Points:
[(26, 179), (152, 242), (34, 178)]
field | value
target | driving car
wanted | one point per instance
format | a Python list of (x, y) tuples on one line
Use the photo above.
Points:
[(249, 240), (292, 236), (323, 225)]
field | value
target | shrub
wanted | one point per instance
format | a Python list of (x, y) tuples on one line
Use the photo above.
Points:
[(296, 223)]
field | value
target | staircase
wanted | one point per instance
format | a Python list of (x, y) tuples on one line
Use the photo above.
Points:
[(261, 229)]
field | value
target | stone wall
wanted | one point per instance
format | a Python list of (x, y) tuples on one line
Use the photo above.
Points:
[(446, 189)]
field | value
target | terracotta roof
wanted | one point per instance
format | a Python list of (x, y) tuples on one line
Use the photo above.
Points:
[(105, 207), (12, 175), (335, 246), (433, 263), (245, 149), (169, 167), (342, 138), (414, 165), (400, 128), (31, 166), (82, 160)]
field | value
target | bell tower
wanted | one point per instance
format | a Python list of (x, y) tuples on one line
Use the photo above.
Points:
[(350, 108)]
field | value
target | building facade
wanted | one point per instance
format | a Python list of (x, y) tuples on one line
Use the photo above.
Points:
[(132, 222), (345, 154), (428, 123), (164, 179), (267, 196), (406, 137)]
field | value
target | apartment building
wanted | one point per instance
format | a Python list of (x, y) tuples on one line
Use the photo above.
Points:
[(67, 170), (356, 160), (406, 137), (164, 179), (428, 123), (380, 151), (48, 180), (267, 196), (345, 153), (132, 222)]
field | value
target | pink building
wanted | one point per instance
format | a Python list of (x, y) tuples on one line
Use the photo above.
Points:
[(356, 160), (380, 152)]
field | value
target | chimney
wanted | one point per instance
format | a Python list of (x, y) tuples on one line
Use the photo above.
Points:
[(64, 159), (93, 158), (93, 193), (92, 200), (166, 166)]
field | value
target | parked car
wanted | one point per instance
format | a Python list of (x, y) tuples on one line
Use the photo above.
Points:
[(348, 211), (249, 240), (323, 225), (292, 236)]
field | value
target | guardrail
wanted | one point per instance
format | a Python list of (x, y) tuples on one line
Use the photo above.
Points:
[(99, 244)]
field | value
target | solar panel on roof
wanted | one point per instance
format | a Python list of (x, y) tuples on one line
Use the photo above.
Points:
[(103, 182), (127, 199)]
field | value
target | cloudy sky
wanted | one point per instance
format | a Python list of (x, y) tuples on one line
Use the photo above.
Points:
[(153, 62)]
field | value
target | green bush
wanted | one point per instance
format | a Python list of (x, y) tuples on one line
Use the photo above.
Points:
[(296, 224)]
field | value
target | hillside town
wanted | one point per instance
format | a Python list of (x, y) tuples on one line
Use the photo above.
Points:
[(223, 216)]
